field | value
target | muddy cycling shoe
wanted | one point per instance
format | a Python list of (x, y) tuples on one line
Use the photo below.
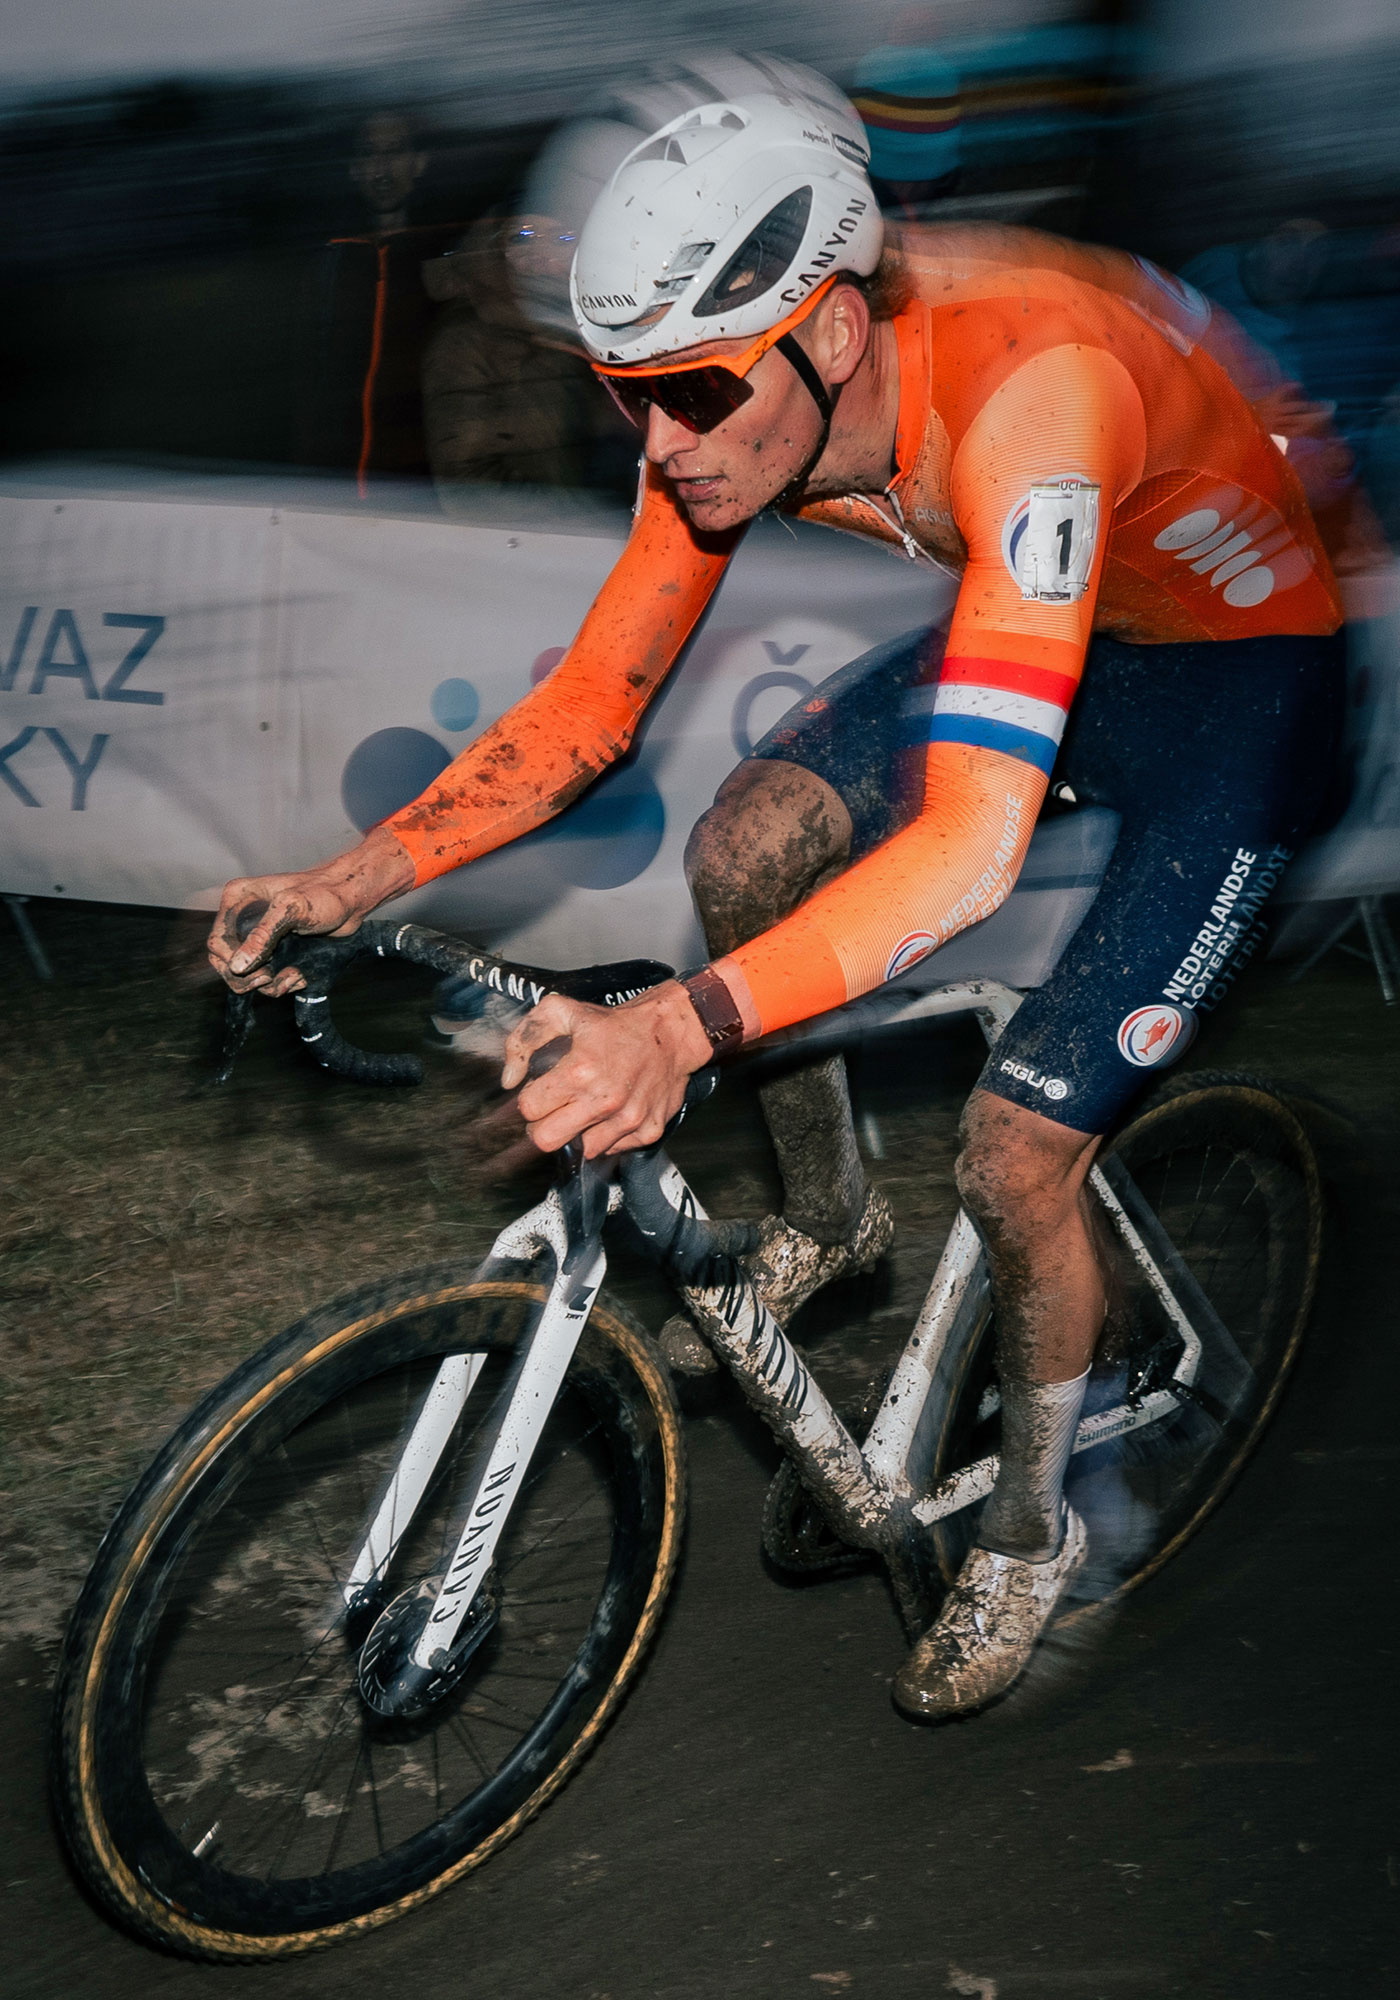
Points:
[(988, 1628), (787, 1267)]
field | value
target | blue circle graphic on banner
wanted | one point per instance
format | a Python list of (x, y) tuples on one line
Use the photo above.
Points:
[(455, 704), (612, 833), (386, 771)]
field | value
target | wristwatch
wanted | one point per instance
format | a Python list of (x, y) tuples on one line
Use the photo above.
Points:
[(714, 1006)]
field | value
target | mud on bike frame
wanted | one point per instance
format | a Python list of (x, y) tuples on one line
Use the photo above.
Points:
[(874, 1493)]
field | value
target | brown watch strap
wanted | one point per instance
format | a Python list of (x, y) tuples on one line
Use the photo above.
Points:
[(714, 1005)]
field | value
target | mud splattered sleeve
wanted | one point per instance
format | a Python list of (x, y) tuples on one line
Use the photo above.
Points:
[(539, 756)]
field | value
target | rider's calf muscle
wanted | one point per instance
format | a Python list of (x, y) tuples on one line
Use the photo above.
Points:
[(1022, 1179)]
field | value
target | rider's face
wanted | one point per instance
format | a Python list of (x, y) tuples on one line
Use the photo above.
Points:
[(728, 475)]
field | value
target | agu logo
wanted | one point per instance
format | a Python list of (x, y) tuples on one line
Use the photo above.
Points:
[(909, 950), (1152, 1035)]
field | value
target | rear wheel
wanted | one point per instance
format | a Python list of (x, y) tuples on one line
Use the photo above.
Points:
[(222, 1783), (1226, 1174)]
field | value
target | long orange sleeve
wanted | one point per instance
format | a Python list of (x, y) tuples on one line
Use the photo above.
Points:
[(1034, 483), (541, 754)]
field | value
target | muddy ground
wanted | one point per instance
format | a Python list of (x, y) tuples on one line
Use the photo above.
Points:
[(1197, 1798)]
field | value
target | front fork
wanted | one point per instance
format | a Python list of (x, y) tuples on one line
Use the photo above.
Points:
[(411, 1647)]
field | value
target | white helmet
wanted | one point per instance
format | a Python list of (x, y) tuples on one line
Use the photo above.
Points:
[(723, 223)]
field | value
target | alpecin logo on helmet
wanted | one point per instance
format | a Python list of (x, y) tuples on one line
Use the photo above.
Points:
[(1152, 1035)]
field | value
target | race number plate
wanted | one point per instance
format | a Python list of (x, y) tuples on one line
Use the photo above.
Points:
[(1050, 540)]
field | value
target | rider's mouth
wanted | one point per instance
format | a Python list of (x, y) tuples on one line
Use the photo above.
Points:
[(700, 487)]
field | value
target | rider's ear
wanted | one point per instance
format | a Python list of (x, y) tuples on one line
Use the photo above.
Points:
[(844, 332)]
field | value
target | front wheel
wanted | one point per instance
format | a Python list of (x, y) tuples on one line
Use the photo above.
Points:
[(1226, 1182), (222, 1784)]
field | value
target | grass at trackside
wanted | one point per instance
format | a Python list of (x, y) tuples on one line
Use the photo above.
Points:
[(153, 1232)]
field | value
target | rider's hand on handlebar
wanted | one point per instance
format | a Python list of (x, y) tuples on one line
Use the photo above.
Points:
[(623, 1077), (256, 912)]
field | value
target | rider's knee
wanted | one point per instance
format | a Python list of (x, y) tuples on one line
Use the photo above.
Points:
[(773, 831), (1016, 1170)]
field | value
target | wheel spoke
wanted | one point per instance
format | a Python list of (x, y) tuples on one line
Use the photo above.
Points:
[(252, 1729)]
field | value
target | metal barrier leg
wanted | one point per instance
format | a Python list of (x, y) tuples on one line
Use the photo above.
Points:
[(1383, 952), (38, 957), (1320, 951)]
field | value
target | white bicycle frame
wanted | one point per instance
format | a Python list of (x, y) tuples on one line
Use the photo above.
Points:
[(872, 1491)]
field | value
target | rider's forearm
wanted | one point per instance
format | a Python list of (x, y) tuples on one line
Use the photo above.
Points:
[(371, 873), (541, 754), (529, 765)]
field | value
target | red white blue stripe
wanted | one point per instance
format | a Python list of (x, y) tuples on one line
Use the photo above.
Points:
[(994, 705)]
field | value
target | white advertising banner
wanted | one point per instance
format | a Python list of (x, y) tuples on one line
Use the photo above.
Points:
[(194, 687), (227, 678)]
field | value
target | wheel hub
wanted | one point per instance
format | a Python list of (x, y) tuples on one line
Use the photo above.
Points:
[(390, 1681)]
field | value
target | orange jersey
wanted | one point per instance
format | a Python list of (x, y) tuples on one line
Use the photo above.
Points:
[(1076, 436)]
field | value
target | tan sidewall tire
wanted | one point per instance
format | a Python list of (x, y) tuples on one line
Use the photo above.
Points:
[(78, 1800)]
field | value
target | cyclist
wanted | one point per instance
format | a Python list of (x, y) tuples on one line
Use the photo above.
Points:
[(1070, 430)]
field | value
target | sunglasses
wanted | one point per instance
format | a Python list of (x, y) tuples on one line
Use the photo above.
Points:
[(700, 394)]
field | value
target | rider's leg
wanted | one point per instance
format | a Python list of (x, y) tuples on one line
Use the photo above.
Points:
[(1202, 840), (826, 785), (1023, 1179), (774, 834)]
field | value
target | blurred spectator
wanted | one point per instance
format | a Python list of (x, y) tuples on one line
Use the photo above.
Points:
[(507, 397), (1325, 305), (1039, 87), (1265, 283), (371, 318), (1383, 466), (907, 96), (502, 402), (983, 97)]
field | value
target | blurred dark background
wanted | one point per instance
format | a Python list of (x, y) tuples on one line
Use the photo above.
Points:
[(188, 253)]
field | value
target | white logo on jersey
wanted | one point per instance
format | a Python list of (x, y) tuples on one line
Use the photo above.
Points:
[(1048, 540), (1230, 549)]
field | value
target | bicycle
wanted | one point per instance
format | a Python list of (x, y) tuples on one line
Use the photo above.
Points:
[(382, 1591)]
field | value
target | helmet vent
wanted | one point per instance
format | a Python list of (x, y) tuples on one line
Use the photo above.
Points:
[(691, 256), (663, 149), (763, 258)]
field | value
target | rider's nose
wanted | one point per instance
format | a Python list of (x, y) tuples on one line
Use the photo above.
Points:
[(665, 437)]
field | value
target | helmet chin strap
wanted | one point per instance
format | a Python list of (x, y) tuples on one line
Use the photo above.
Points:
[(796, 357)]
